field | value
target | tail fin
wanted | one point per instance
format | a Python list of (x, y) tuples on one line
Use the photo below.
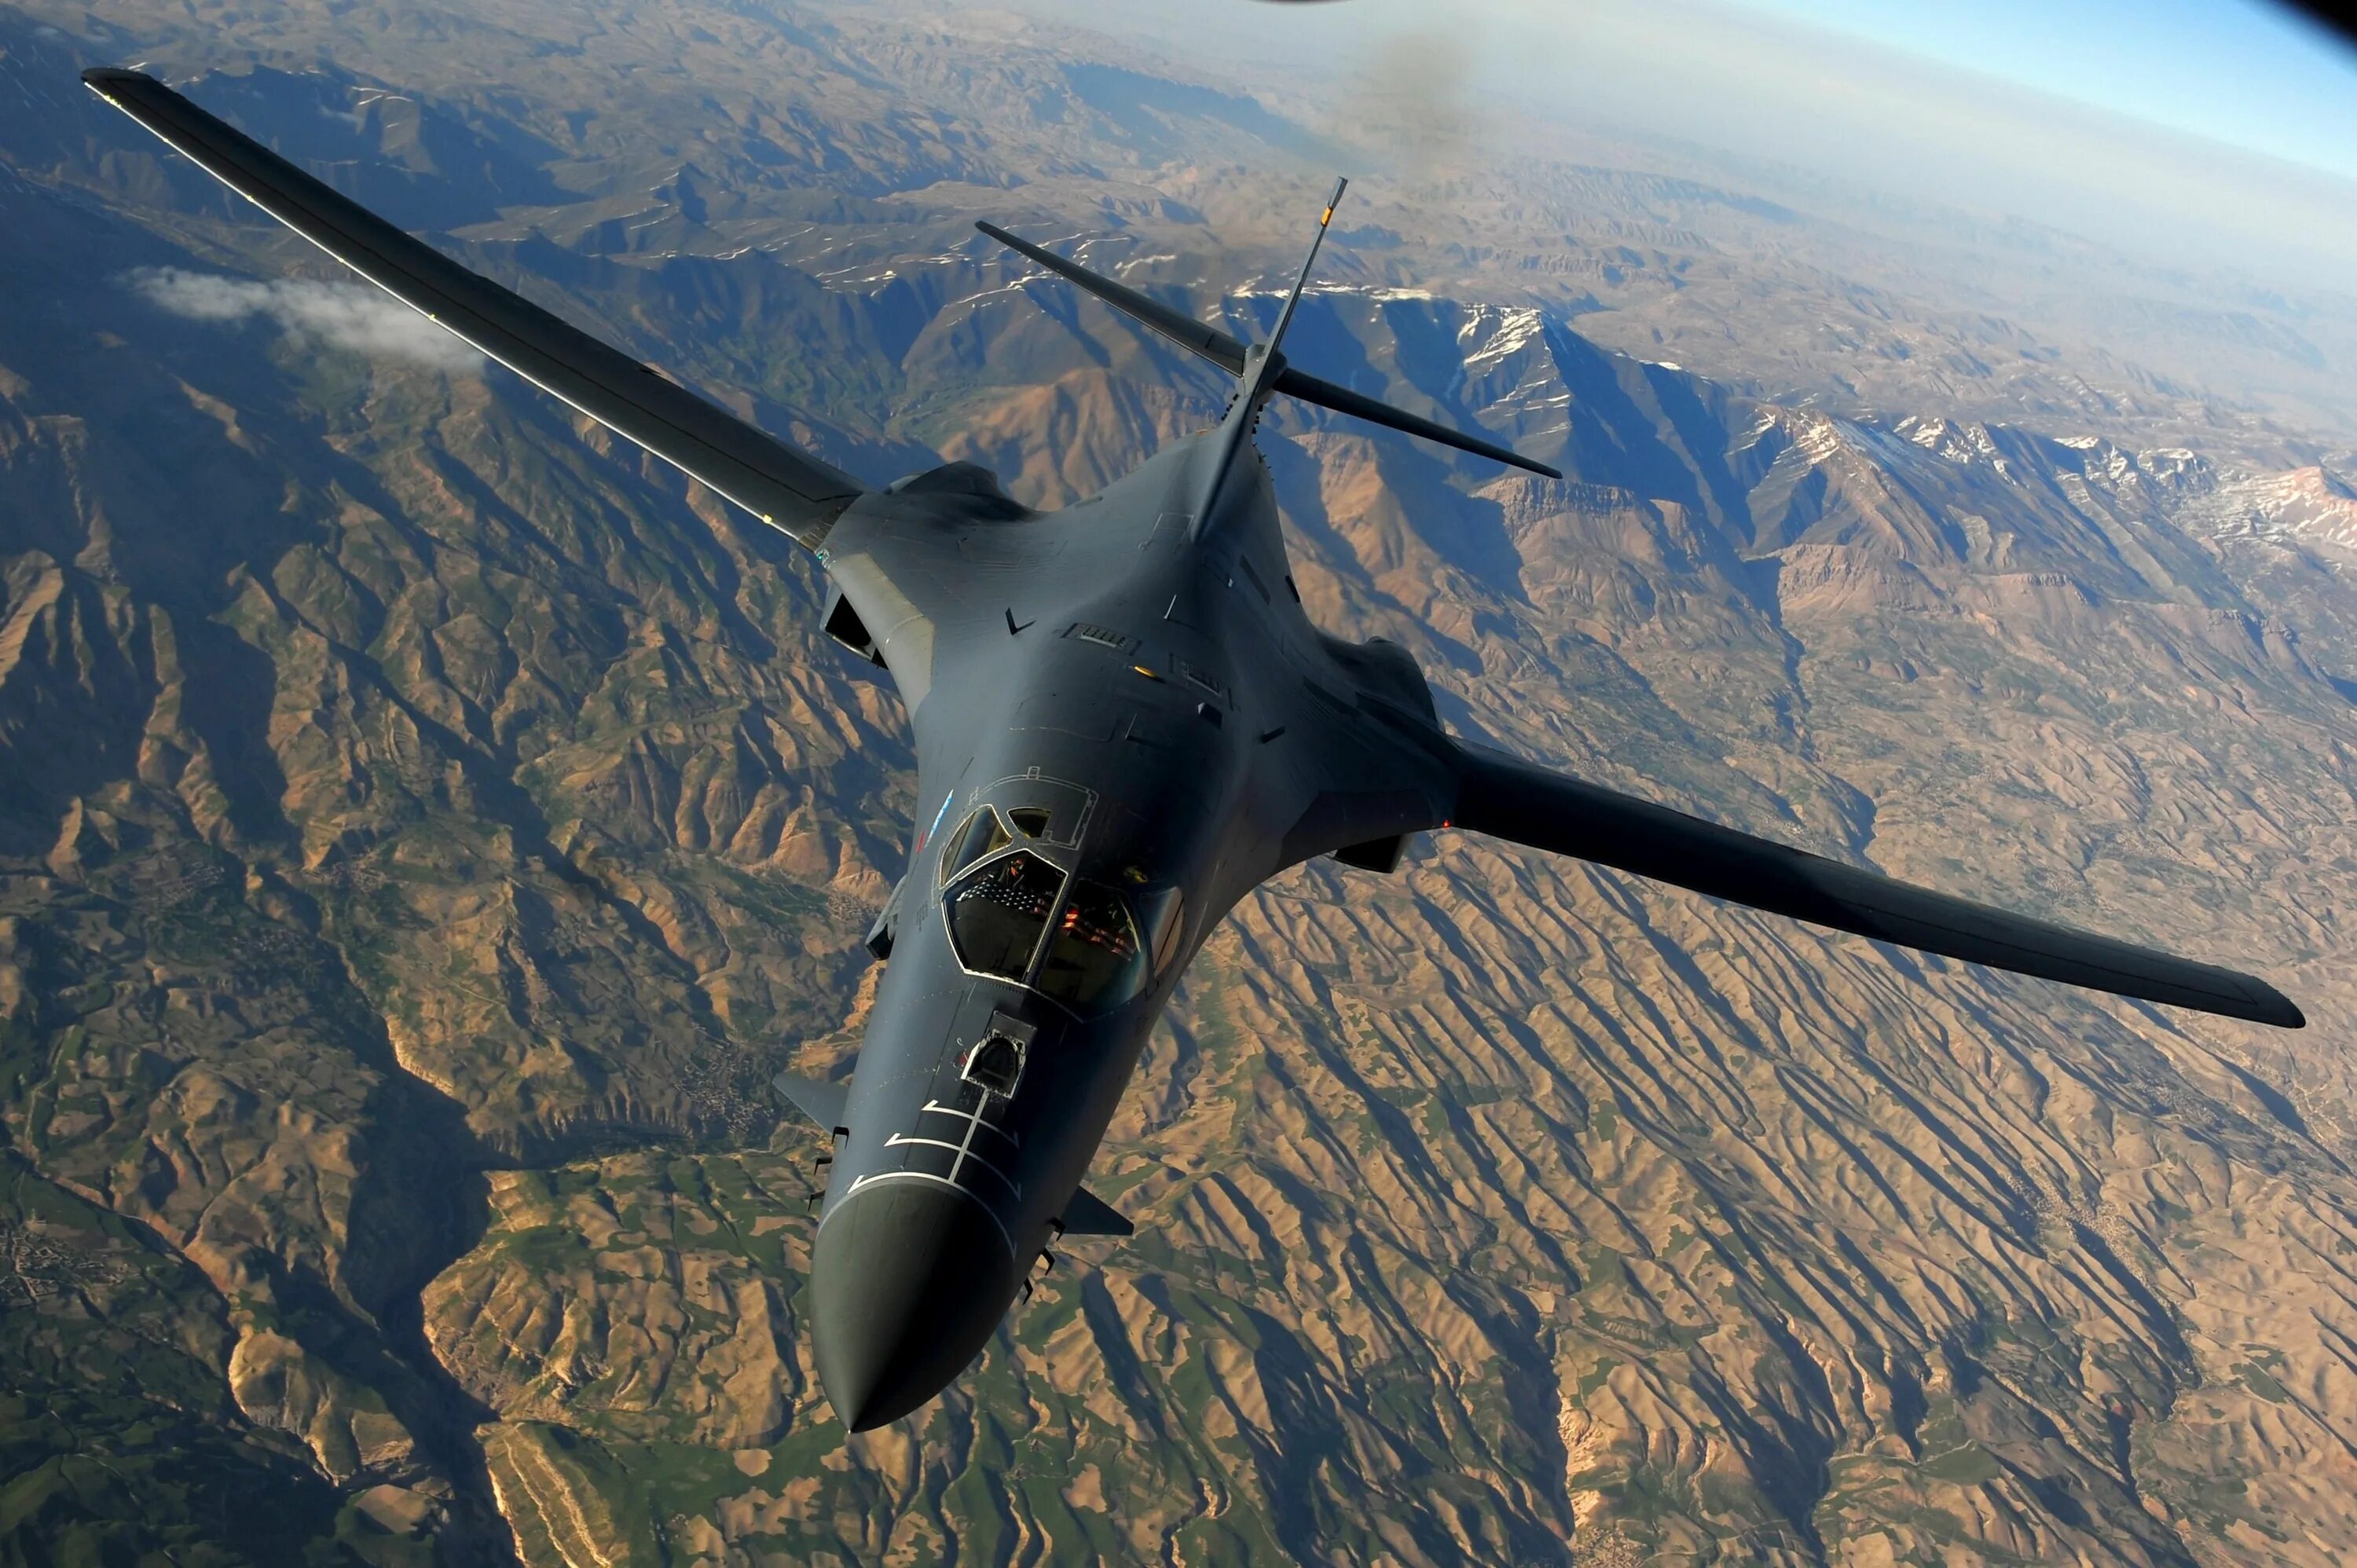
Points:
[(1268, 372), (1324, 221)]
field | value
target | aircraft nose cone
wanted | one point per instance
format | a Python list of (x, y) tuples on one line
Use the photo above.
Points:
[(907, 1283)]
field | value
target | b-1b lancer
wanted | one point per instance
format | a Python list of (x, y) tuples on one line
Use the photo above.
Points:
[(1124, 723)]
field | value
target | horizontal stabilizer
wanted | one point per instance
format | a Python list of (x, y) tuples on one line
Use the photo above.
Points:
[(1343, 400), (784, 487), (1232, 356), (1089, 1215), (1516, 800), (1181, 328), (815, 1098)]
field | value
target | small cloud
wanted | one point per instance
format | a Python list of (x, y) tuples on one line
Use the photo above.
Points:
[(352, 316)]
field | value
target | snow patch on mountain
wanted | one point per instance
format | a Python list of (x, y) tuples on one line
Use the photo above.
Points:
[(2304, 505), (1515, 328)]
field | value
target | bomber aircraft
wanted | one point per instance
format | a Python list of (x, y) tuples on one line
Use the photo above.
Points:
[(1124, 721)]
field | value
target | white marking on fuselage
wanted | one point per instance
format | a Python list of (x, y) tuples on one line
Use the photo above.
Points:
[(1014, 1138), (900, 1139), (965, 1147)]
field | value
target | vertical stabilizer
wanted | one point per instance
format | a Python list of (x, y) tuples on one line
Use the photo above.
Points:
[(1285, 318), (1264, 367)]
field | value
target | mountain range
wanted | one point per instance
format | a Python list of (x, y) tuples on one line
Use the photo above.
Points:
[(426, 825)]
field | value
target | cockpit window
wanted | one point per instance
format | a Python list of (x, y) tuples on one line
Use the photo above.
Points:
[(980, 835), (998, 910), (1094, 963), (1029, 821)]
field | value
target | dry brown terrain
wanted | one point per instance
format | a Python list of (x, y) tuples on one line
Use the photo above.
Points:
[(423, 831)]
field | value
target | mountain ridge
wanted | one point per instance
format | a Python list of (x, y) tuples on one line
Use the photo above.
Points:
[(429, 831)]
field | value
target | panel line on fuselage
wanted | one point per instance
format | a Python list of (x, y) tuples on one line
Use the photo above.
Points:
[(879, 1178)]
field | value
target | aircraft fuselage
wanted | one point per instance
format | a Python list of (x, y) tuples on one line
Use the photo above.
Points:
[(1124, 723)]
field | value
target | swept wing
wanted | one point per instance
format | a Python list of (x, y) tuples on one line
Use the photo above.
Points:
[(784, 487), (1512, 800)]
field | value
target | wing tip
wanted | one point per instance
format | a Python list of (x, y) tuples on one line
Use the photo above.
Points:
[(99, 79), (2251, 999), (2276, 1008)]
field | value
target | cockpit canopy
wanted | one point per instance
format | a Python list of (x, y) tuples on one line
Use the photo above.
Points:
[(1016, 916), (998, 911)]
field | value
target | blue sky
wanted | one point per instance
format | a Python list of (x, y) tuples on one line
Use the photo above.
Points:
[(2249, 74), (2198, 133)]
